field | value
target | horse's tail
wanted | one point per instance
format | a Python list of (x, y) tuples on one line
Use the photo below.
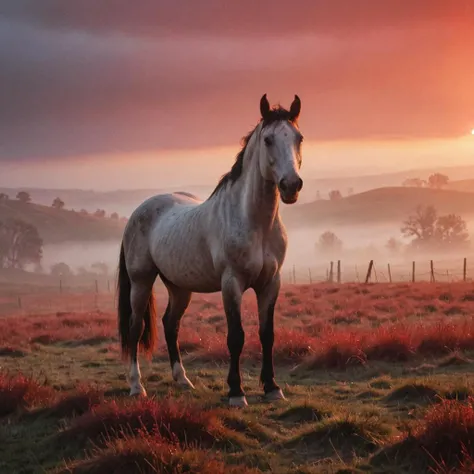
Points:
[(124, 287)]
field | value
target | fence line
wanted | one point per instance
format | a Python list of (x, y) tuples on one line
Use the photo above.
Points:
[(351, 274)]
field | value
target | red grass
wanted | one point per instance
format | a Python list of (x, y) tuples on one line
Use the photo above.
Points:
[(173, 420), (19, 391), (73, 404), (442, 442), (333, 325), (151, 454), (447, 433)]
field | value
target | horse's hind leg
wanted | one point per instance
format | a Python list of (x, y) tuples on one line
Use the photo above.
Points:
[(141, 292), (178, 302)]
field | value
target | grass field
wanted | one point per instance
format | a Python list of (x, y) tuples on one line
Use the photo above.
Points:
[(378, 378)]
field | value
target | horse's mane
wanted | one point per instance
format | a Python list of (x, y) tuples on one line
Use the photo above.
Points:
[(276, 114)]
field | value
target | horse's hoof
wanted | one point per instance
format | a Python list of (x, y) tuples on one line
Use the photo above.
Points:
[(185, 383), (179, 376), (239, 402), (138, 392), (275, 395)]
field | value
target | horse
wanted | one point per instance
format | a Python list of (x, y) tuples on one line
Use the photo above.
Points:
[(231, 242)]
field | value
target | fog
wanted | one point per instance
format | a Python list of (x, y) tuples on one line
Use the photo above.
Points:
[(304, 261)]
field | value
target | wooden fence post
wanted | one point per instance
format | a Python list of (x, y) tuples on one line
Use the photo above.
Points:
[(413, 272), (294, 274), (432, 271), (339, 271), (464, 270), (369, 271), (310, 277), (96, 286), (331, 273), (60, 286), (389, 273)]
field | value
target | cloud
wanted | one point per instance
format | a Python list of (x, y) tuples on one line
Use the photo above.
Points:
[(83, 78)]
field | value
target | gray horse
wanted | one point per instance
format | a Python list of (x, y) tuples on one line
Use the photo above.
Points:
[(230, 242)]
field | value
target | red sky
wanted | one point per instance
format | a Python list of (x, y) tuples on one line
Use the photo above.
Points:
[(91, 79)]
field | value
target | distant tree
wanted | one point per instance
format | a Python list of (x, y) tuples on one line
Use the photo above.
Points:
[(350, 191), (114, 216), (394, 246), (100, 267), (99, 213), (23, 197), (421, 225), (4, 197), (451, 231), (335, 195), (438, 181), (83, 212), (329, 243), (20, 244), (427, 229), (61, 269), (58, 203), (414, 182)]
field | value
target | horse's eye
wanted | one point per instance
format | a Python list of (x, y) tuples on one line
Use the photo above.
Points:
[(268, 141)]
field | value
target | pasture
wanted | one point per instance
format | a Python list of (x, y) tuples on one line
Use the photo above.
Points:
[(378, 378)]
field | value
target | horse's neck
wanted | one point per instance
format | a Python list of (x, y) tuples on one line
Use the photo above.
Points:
[(258, 200)]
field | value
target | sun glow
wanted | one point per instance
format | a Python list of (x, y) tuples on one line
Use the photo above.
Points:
[(472, 131)]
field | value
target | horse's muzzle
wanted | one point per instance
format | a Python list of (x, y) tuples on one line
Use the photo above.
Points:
[(289, 189)]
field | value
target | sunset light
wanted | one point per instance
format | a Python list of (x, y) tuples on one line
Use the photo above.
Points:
[(294, 181)]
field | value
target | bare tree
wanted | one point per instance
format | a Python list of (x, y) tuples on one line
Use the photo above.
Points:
[(20, 244), (421, 225), (451, 231), (427, 229)]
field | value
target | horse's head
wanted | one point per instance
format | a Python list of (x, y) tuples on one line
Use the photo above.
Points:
[(280, 142)]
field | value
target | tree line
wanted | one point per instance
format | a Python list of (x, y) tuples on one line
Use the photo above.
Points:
[(25, 198), (424, 229)]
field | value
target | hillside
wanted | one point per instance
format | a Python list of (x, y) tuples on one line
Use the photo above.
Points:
[(377, 206), (57, 226), (463, 185), (124, 201)]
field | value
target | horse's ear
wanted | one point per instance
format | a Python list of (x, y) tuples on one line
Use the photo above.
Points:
[(295, 108), (264, 107)]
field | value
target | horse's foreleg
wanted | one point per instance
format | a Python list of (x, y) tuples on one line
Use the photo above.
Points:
[(232, 298), (140, 294), (266, 298), (178, 302)]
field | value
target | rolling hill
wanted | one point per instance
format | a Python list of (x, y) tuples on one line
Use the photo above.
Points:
[(377, 206), (463, 185), (57, 226)]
